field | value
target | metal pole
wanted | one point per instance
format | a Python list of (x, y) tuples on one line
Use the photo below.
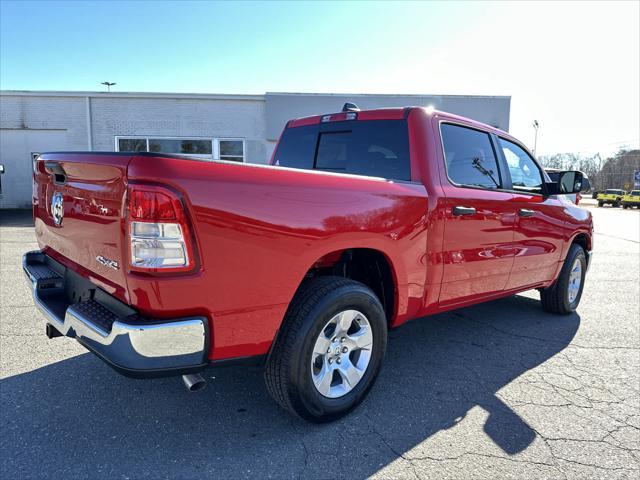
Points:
[(89, 129), (535, 139)]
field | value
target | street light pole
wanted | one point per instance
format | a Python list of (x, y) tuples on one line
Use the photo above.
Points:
[(536, 125), (108, 85)]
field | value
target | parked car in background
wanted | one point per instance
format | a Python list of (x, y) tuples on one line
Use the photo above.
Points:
[(164, 265), (611, 196), (631, 199)]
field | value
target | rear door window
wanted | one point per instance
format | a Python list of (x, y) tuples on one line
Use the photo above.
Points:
[(376, 148), (469, 156)]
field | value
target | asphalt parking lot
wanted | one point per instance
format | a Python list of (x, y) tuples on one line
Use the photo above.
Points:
[(500, 390)]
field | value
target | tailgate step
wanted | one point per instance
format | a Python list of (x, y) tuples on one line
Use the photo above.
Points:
[(96, 313), (117, 333), (42, 272)]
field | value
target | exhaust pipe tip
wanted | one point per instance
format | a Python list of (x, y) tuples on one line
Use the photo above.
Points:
[(194, 382)]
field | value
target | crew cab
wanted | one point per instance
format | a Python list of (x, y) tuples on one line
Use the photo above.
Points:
[(363, 220), (631, 199), (611, 196)]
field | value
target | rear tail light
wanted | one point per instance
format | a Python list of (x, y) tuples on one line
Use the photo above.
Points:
[(159, 235)]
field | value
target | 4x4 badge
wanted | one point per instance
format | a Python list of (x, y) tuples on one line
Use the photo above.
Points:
[(107, 263)]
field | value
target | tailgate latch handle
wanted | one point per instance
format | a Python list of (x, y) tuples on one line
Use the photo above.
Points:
[(55, 169)]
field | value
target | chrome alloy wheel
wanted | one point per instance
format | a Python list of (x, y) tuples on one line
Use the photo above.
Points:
[(341, 353), (575, 279)]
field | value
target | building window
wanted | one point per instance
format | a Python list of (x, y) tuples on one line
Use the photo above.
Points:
[(202, 148), (132, 144), (231, 150), (187, 146)]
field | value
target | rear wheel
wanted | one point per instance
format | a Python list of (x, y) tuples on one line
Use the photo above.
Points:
[(617, 204), (625, 206), (564, 295), (330, 349), (600, 203)]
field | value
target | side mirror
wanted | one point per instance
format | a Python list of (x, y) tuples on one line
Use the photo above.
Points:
[(568, 182)]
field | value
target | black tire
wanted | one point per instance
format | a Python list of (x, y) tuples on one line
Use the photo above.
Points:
[(625, 206), (616, 204), (288, 370), (555, 299), (600, 203)]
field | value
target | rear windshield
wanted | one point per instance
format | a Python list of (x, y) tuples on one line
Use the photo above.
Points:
[(614, 192), (376, 148)]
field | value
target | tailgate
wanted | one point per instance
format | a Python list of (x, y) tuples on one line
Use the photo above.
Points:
[(78, 213)]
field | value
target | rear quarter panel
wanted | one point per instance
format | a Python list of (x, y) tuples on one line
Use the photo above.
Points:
[(261, 228)]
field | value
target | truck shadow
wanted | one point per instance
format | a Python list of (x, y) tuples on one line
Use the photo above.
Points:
[(79, 418)]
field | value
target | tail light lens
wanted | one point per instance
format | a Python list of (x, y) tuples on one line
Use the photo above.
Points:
[(159, 235)]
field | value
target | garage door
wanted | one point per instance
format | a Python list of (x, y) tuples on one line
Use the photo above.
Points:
[(16, 149)]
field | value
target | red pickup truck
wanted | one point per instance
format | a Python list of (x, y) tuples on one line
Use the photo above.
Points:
[(163, 265)]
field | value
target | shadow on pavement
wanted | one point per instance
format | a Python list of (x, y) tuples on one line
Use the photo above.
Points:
[(16, 218), (79, 418)]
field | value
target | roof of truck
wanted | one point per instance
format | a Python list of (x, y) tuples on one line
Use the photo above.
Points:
[(394, 113)]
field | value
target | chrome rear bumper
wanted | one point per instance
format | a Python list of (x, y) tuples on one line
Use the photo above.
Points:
[(133, 345)]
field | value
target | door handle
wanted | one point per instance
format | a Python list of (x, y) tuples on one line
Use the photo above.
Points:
[(523, 212), (463, 211)]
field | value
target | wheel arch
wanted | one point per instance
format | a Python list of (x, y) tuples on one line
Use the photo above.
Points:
[(370, 266), (582, 239), (585, 241)]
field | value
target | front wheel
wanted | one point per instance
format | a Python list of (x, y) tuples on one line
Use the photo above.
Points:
[(329, 351), (564, 295), (625, 206), (600, 203)]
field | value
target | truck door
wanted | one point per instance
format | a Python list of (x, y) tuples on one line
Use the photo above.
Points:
[(479, 218), (539, 223)]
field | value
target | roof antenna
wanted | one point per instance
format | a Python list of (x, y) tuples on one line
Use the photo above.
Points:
[(350, 107)]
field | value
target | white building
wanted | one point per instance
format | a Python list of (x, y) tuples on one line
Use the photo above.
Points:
[(234, 127)]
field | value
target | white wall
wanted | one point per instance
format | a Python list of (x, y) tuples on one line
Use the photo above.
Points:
[(16, 147), (33, 124), (49, 121), (180, 118), (38, 123)]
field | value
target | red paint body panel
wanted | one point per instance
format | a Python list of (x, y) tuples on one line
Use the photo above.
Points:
[(255, 252), (93, 222), (259, 229), (538, 240), (478, 250)]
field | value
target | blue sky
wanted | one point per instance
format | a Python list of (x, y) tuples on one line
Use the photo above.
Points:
[(574, 67)]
